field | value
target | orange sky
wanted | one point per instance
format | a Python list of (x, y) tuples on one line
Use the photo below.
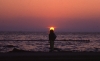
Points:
[(68, 15)]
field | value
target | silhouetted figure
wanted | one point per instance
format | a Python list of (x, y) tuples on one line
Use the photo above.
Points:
[(52, 37)]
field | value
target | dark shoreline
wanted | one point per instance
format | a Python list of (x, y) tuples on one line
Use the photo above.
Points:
[(47, 40), (49, 56)]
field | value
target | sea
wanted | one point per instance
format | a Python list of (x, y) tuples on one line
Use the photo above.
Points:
[(39, 41)]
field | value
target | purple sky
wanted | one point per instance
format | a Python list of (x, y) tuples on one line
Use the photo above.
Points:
[(39, 15)]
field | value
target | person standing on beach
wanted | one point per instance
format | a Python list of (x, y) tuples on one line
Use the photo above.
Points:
[(52, 37)]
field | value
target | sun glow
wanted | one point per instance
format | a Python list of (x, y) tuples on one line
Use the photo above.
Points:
[(51, 28)]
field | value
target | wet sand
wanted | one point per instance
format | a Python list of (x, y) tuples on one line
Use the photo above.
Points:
[(50, 56)]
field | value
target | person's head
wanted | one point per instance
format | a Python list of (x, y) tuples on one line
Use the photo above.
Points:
[(51, 31)]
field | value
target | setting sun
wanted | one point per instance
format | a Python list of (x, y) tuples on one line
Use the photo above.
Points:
[(51, 28)]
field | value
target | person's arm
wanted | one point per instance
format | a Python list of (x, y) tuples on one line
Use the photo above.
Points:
[(54, 36)]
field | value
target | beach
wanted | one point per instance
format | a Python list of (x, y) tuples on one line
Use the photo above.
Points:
[(49, 56)]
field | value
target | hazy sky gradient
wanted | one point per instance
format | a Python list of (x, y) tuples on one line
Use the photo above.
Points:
[(38, 15)]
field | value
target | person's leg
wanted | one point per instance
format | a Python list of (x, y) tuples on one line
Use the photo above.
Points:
[(51, 45)]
